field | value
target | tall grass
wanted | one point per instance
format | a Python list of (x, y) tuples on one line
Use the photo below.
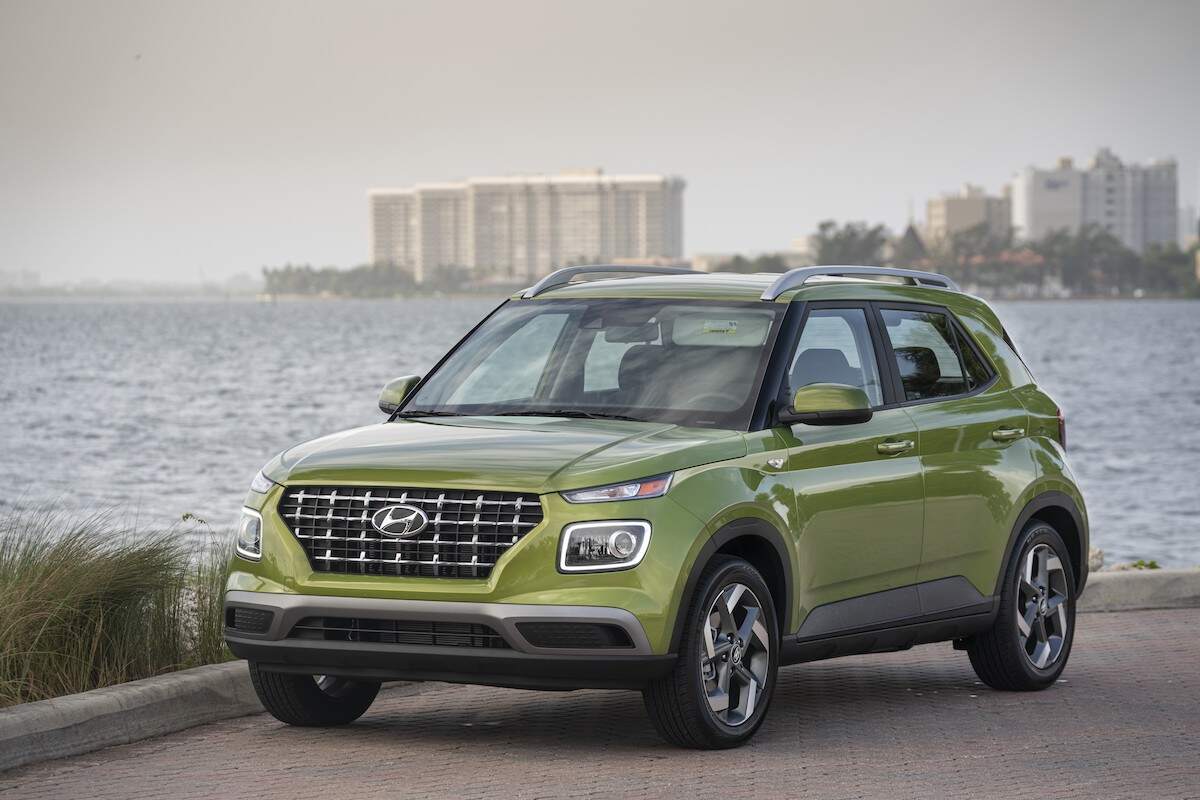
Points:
[(88, 602)]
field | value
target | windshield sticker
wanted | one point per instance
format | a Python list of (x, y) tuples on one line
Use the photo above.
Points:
[(727, 327)]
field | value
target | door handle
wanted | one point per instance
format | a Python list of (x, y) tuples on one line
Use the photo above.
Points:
[(1007, 434), (894, 448)]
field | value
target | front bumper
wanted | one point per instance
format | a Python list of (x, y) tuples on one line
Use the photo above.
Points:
[(520, 665)]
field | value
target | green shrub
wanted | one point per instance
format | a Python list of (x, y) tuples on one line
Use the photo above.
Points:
[(87, 602)]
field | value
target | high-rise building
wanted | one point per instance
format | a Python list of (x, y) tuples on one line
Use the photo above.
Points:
[(393, 234), (1137, 203), (521, 227), (1189, 227), (952, 213)]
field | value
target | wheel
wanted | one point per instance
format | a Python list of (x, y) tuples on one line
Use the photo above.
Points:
[(1029, 643), (719, 690), (312, 700)]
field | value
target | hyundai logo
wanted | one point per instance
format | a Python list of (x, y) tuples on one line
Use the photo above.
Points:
[(399, 520)]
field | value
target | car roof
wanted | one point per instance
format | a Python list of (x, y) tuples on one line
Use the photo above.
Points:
[(739, 287)]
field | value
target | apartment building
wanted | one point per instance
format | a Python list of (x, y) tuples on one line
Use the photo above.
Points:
[(953, 213), (1137, 203), (521, 227)]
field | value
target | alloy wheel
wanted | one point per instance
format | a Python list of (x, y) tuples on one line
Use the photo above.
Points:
[(736, 654), (1042, 621)]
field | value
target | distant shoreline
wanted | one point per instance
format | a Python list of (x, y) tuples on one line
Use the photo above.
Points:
[(203, 297)]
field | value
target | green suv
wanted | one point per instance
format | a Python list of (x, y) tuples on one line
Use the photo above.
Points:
[(676, 483)]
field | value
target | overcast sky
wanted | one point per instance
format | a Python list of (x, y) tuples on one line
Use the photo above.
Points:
[(174, 141)]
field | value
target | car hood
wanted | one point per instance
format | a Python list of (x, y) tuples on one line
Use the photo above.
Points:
[(524, 454)]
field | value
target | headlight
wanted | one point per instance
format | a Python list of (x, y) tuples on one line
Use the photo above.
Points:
[(249, 535), (646, 487), (599, 546), (261, 484)]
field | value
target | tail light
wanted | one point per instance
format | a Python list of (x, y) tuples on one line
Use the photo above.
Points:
[(1062, 429)]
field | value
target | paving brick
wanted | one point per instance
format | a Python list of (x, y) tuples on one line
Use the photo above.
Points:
[(1125, 722)]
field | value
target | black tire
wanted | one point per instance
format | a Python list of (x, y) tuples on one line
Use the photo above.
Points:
[(678, 703), (305, 701), (1001, 655)]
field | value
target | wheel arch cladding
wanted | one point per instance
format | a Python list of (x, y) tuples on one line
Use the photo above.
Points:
[(763, 547), (1060, 512)]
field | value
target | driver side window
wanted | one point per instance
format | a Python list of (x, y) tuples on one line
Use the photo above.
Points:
[(835, 347)]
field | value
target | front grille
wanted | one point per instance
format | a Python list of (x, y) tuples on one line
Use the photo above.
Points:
[(389, 631), (467, 531), (588, 635)]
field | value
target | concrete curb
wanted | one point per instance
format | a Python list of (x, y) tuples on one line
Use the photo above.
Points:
[(1141, 589), (79, 723)]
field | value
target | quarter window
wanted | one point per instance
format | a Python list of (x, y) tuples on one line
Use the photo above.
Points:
[(835, 347), (929, 355), (976, 371)]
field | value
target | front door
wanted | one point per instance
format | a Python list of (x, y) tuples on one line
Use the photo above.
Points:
[(859, 503)]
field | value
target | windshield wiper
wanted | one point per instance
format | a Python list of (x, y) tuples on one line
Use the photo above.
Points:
[(418, 413), (567, 412)]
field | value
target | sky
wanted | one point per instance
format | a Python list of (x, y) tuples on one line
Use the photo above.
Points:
[(183, 141)]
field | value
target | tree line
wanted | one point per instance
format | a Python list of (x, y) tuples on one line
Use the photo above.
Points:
[(1089, 262), (366, 280)]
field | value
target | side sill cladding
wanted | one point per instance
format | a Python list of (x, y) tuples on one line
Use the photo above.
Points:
[(748, 528), (1037, 507)]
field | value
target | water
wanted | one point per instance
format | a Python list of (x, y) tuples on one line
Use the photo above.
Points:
[(1127, 374), (162, 408)]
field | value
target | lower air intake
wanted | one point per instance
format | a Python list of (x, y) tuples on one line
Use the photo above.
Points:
[(389, 631), (574, 635)]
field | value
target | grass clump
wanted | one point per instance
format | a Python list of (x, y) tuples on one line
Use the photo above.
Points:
[(86, 603)]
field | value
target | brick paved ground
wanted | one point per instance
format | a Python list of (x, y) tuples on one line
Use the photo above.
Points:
[(1124, 723)]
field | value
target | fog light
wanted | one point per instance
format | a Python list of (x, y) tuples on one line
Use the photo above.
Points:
[(249, 535), (600, 546)]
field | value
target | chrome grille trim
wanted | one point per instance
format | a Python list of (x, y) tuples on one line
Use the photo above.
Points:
[(478, 502), (362, 537), (467, 533), (364, 517), (362, 559)]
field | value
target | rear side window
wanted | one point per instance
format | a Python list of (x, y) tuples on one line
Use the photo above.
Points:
[(932, 356)]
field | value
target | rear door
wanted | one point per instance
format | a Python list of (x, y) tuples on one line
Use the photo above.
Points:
[(857, 488), (973, 449)]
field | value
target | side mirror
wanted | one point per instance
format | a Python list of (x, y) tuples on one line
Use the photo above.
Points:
[(827, 404), (393, 393)]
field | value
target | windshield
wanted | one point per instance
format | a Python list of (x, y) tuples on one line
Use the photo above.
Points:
[(686, 362)]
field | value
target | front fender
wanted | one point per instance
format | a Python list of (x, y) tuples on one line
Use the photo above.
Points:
[(728, 500)]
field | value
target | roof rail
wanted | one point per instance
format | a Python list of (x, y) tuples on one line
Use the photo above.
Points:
[(795, 278), (561, 277)]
